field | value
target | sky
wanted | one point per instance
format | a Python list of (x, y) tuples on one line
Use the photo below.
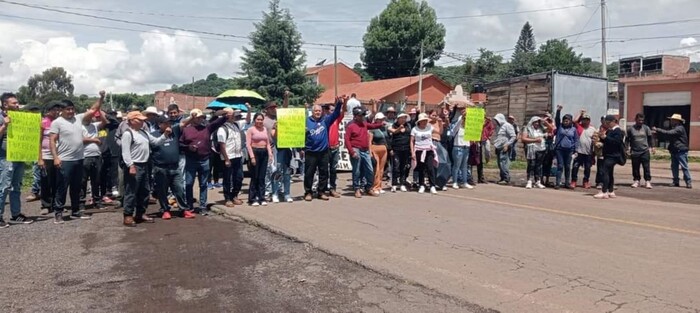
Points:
[(102, 54)]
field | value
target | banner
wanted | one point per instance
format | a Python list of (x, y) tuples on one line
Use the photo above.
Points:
[(474, 124), (344, 164), (291, 128), (23, 137)]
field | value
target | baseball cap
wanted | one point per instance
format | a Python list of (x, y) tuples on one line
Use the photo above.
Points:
[(162, 119), (358, 111), (196, 113), (136, 115), (586, 117)]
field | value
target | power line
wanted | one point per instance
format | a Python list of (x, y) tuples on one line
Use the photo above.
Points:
[(588, 22)]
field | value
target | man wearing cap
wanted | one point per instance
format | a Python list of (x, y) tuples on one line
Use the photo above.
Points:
[(334, 142), (584, 150), (195, 141), (678, 146), (166, 172), (92, 160), (357, 142), (68, 151), (136, 151), (111, 153), (231, 146), (316, 150)]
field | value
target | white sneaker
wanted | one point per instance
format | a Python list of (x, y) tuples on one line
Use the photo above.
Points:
[(635, 184), (255, 204), (444, 188), (115, 193), (403, 188), (264, 203), (529, 185), (612, 195), (601, 195), (290, 199), (275, 199), (433, 190), (539, 185), (393, 189), (648, 185), (382, 191), (421, 189), (455, 186), (468, 186)]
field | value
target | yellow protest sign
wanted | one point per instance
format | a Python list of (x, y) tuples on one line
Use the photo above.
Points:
[(23, 136), (291, 128), (474, 124)]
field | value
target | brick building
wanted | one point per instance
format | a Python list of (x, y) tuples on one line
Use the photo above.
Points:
[(324, 75), (184, 101)]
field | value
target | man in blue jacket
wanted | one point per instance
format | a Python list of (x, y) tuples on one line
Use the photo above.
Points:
[(317, 148)]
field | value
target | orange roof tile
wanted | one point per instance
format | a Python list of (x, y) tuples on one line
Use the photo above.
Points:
[(366, 91)]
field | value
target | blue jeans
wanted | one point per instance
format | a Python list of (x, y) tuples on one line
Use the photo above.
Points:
[(36, 179), (586, 161), (11, 174), (69, 176), (284, 159), (195, 168), (460, 164), (362, 169), (169, 176), (563, 163), (268, 175), (136, 190), (503, 164), (680, 159)]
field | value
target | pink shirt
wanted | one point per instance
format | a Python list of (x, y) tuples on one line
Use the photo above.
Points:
[(45, 146), (258, 138)]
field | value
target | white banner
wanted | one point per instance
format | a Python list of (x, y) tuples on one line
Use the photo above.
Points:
[(344, 156)]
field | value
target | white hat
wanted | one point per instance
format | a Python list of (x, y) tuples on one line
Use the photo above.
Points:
[(151, 110), (120, 114), (423, 117), (379, 116), (402, 115)]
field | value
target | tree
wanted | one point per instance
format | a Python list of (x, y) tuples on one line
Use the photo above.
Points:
[(366, 77), (557, 55), (393, 40), (453, 75), (212, 86), (488, 67), (276, 62), (53, 81), (525, 53)]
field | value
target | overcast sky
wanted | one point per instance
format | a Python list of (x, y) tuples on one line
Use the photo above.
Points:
[(144, 59)]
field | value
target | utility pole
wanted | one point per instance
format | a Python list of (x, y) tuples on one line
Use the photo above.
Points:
[(335, 70), (192, 93), (420, 80), (604, 56), (111, 103)]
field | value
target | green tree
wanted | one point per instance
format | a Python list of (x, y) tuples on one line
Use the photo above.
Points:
[(525, 53), (559, 56), (276, 62), (488, 67), (51, 85), (212, 86), (366, 77), (393, 39), (453, 75)]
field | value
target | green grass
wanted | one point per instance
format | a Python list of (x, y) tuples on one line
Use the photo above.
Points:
[(666, 157), (514, 165), (27, 180)]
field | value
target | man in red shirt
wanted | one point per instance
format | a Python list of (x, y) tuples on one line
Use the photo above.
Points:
[(334, 142), (357, 143)]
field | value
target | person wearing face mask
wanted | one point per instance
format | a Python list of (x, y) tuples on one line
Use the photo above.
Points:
[(564, 147)]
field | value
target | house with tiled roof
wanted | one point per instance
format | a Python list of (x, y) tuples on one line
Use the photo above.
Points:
[(324, 75)]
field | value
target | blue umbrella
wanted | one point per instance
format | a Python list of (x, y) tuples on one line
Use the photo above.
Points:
[(215, 105)]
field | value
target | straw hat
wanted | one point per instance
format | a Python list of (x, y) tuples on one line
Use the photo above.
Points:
[(151, 110), (379, 116), (423, 117), (677, 117)]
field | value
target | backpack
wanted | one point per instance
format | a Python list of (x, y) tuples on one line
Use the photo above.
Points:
[(215, 144)]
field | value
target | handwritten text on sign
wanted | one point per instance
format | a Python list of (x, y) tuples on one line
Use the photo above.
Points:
[(291, 128), (23, 136), (474, 124)]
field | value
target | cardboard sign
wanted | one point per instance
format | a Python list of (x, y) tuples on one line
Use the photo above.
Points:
[(474, 124), (23, 137), (291, 128)]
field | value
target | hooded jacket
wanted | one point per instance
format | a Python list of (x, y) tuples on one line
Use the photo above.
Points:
[(505, 133), (532, 132)]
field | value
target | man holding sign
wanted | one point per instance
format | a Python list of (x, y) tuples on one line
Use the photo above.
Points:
[(11, 173)]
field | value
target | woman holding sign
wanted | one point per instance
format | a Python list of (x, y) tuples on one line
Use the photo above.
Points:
[(260, 151)]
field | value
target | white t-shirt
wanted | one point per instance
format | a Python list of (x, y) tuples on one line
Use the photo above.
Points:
[(353, 103), (423, 137), (69, 145), (91, 131), (231, 135), (459, 135)]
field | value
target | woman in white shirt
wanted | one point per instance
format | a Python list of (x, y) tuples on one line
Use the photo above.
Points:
[(423, 152)]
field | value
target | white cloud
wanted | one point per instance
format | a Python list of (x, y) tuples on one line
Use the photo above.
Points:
[(160, 61), (692, 48), (553, 23)]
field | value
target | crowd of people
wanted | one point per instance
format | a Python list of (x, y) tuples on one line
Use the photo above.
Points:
[(152, 157)]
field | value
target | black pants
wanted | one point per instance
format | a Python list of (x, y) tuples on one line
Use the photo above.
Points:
[(425, 167), (608, 174), (69, 176), (599, 171), (644, 160), (316, 161), (480, 166), (109, 175), (256, 189), (233, 179), (534, 166), (48, 185), (91, 171), (547, 163), (136, 190), (401, 161), (217, 167)]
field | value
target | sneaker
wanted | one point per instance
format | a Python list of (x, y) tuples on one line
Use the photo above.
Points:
[(455, 186), (635, 184), (599, 186), (44, 211), (218, 185), (393, 189), (210, 186), (188, 214), (115, 193), (81, 215), (467, 186), (689, 185), (502, 183), (586, 185), (403, 188), (264, 203), (204, 212), (107, 200), (382, 191), (433, 190), (612, 195), (58, 218), (3, 224), (529, 185), (572, 185), (275, 199), (648, 185), (601, 195), (229, 204), (166, 215), (20, 219), (421, 189), (32, 197), (539, 185), (289, 199), (444, 188), (255, 204)]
